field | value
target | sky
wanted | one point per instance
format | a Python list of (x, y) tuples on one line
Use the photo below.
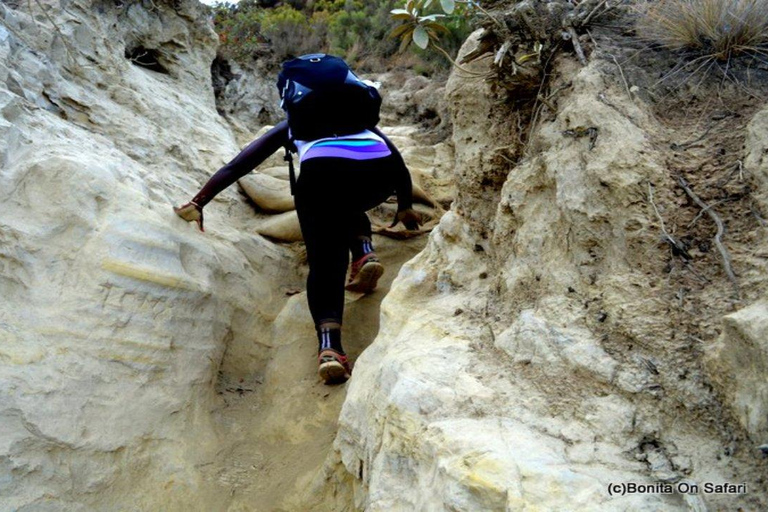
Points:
[(211, 2)]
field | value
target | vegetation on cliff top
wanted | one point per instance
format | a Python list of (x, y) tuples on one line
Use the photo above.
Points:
[(358, 31)]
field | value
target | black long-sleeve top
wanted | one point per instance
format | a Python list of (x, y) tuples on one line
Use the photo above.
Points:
[(260, 149)]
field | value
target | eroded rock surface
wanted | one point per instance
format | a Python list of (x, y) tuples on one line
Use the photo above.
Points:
[(246, 95), (738, 363), (116, 313), (526, 357), (144, 364), (756, 160)]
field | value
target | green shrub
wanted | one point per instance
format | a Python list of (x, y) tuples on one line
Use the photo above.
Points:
[(290, 32), (356, 30), (272, 21), (239, 31)]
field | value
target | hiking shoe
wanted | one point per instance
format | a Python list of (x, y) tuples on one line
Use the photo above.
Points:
[(333, 367), (365, 274)]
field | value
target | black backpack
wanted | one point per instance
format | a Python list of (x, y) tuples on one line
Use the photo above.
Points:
[(324, 98)]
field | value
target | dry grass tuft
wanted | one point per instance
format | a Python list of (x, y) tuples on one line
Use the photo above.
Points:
[(720, 29)]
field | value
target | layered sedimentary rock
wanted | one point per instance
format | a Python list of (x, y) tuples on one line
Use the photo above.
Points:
[(737, 363), (115, 314), (756, 161), (126, 333), (526, 357), (246, 95)]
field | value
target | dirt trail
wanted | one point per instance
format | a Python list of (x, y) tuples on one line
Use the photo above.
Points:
[(276, 433)]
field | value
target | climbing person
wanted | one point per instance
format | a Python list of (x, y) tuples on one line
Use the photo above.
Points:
[(347, 167)]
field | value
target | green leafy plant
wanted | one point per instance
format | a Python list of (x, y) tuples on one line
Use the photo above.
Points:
[(423, 28)]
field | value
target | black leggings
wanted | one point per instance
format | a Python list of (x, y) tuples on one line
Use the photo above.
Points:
[(332, 196)]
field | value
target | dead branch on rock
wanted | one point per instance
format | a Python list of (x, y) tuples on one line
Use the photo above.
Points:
[(464, 70), (594, 43), (490, 330), (687, 145), (546, 102), (531, 26), (537, 106), (591, 15), (726, 257), (705, 210), (570, 35), (604, 99), (144, 59), (490, 16), (738, 166), (623, 78), (678, 249)]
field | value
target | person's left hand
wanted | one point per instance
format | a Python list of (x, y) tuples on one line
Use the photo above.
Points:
[(191, 212), (409, 217)]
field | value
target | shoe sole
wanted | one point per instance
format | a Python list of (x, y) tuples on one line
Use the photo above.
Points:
[(333, 372), (367, 279)]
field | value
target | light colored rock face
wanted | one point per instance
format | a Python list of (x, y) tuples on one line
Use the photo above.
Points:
[(531, 340), (249, 99), (116, 313), (738, 364), (756, 161), (145, 365), (524, 360), (416, 100)]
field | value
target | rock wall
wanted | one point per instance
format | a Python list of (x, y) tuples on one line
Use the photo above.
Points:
[(528, 357), (756, 161), (736, 361), (145, 365), (246, 95), (116, 314), (531, 354)]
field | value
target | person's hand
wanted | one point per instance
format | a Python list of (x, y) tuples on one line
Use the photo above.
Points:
[(409, 217), (191, 212)]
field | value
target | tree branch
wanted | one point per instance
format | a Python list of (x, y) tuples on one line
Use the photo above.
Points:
[(726, 257)]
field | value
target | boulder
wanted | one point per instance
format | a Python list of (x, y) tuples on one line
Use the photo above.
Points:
[(270, 194), (738, 364), (283, 227)]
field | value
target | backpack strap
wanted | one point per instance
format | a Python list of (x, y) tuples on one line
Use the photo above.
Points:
[(291, 171)]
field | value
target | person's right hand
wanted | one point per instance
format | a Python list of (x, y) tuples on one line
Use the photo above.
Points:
[(409, 217), (191, 212)]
